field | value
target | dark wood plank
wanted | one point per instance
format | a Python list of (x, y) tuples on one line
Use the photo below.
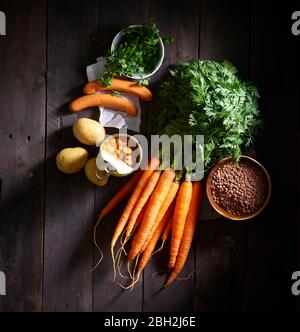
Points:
[(224, 34), (69, 213), (272, 238), (22, 136), (109, 296), (297, 180)]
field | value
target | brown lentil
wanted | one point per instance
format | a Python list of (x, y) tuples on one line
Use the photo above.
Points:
[(240, 188)]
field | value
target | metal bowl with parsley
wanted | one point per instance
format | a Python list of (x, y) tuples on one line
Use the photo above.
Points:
[(137, 52)]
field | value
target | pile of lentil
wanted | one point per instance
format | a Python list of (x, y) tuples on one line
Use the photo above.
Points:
[(240, 188)]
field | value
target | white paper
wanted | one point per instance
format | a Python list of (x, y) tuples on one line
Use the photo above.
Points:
[(109, 117)]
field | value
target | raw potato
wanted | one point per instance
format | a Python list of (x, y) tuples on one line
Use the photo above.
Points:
[(88, 131), (90, 172), (71, 160)]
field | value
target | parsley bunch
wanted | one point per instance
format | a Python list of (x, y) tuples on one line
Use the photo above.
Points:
[(137, 53), (208, 98)]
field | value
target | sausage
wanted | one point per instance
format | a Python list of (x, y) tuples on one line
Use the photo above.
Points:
[(105, 100), (120, 85)]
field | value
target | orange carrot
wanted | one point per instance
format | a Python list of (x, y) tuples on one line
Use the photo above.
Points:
[(181, 210), (120, 85), (121, 194), (166, 232), (189, 231), (154, 239), (141, 202), (167, 202), (114, 102), (133, 199), (114, 202), (141, 216), (155, 202)]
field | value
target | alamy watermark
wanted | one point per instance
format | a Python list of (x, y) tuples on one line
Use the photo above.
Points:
[(296, 285), (181, 153), (2, 24), (2, 283), (296, 25)]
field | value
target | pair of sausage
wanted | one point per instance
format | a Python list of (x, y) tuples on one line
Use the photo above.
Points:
[(92, 99)]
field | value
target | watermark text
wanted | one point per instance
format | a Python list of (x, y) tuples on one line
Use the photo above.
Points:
[(296, 285), (2, 24), (296, 25), (2, 283), (184, 154)]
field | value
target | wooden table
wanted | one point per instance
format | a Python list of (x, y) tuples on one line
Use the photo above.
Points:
[(46, 248)]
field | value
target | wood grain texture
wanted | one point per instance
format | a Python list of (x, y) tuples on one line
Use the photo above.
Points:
[(271, 242), (69, 210), (220, 245), (22, 135), (47, 218), (109, 296)]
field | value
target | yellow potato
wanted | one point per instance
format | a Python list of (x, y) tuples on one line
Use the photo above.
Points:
[(99, 178), (88, 131), (71, 160)]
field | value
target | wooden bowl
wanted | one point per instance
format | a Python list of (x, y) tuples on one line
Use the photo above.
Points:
[(223, 212)]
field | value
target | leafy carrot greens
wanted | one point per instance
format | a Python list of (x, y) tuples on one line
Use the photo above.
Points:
[(208, 98)]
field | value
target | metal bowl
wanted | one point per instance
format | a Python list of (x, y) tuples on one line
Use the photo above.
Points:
[(140, 154), (223, 212), (139, 76)]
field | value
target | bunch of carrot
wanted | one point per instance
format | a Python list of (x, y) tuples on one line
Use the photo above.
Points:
[(160, 206)]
